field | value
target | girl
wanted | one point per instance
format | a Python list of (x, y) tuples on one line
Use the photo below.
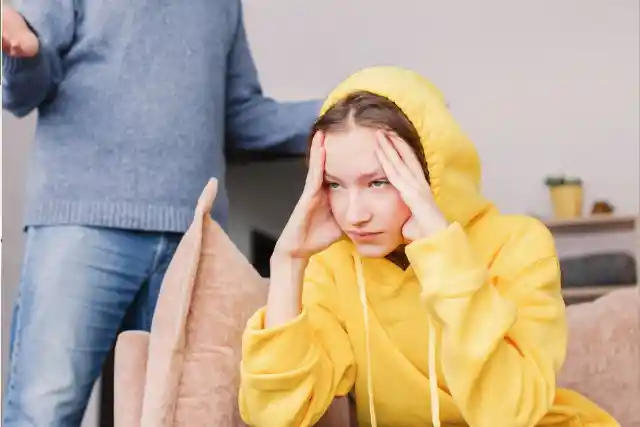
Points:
[(396, 278)]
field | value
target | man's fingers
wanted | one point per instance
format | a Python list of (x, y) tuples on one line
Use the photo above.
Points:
[(9, 41), (20, 47), (30, 44), (6, 44), (27, 46), (17, 37), (17, 51)]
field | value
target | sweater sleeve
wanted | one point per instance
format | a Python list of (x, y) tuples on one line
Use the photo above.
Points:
[(257, 122), (504, 339), (27, 82), (291, 373)]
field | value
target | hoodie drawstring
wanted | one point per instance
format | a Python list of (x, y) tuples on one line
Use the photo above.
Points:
[(433, 378), (433, 382), (363, 301)]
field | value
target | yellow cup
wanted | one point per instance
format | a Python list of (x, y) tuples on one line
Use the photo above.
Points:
[(567, 200)]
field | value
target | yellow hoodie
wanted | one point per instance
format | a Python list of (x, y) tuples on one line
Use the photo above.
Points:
[(471, 334)]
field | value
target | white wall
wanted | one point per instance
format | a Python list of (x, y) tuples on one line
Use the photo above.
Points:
[(540, 86)]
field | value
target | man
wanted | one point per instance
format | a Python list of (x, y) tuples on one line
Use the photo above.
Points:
[(135, 102)]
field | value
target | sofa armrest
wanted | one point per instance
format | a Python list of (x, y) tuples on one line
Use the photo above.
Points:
[(603, 356), (130, 366), (341, 413)]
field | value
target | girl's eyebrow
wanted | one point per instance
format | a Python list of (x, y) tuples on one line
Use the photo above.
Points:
[(368, 175), (374, 174)]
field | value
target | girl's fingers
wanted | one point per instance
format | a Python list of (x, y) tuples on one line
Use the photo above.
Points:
[(408, 156), (387, 167), (387, 164), (390, 171), (315, 175), (390, 152)]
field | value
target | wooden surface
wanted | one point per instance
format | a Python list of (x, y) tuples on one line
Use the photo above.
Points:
[(593, 223)]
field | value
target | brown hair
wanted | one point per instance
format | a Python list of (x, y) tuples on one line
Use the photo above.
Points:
[(367, 109)]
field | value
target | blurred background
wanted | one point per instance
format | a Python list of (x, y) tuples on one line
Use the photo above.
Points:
[(543, 88)]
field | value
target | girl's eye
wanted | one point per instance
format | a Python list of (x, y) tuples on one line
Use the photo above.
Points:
[(332, 185), (379, 183)]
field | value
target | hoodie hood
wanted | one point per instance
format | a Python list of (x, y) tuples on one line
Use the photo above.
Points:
[(454, 171), (452, 160)]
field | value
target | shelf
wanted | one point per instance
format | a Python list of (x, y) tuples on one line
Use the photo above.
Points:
[(591, 223), (585, 293)]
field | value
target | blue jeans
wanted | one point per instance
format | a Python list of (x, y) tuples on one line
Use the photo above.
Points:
[(79, 287)]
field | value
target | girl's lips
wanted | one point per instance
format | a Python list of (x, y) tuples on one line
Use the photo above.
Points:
[(362, 235)]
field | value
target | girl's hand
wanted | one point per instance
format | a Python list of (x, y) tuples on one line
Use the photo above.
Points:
[(404, 172), (311, 227)]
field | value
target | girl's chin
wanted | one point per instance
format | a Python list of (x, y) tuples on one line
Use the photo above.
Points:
[(374, 250)]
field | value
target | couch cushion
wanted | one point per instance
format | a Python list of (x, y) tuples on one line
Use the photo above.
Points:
[(603, 356), (208, 293)]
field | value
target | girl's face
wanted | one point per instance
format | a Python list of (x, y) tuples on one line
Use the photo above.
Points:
[(364, 204)]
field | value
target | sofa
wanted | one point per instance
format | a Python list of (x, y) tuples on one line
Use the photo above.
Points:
[(184, 372)]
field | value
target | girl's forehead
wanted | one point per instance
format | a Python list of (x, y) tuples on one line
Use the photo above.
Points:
[(351, 154), (355, 142)]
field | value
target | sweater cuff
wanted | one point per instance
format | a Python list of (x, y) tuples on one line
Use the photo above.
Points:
[(305, 113), (12, 65), (275, 357), (445, 261)]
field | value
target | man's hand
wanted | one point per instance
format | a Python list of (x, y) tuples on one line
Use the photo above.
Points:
[(17, 38)]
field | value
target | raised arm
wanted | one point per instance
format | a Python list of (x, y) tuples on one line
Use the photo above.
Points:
[(292, 371), (503, 338), (29, 80), (296, 353), (254, 121)]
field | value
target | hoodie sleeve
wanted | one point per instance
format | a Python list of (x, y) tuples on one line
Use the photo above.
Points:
[(27, 82), (503, 340), (257, 122), (291, 373)]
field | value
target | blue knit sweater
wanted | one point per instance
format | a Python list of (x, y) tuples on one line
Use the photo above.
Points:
[(136, 100)]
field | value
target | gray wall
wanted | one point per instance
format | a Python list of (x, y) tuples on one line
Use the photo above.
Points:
[(541, 86)]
